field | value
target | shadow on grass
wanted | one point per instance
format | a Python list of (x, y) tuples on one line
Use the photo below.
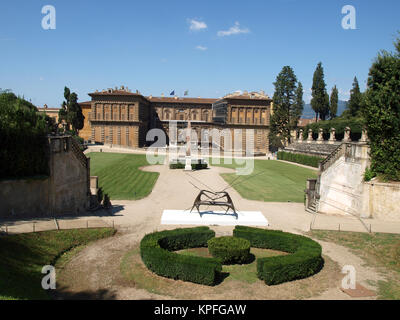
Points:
[(221, 277), (63, 293)]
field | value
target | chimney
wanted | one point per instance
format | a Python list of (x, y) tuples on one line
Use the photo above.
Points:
[(162, 95), (150, 96)]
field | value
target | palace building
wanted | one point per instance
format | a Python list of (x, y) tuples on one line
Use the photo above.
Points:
[(121, 117)]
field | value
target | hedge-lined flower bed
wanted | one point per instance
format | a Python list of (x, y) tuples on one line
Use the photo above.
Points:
[(303, 261), (156, 252), (230, 250)]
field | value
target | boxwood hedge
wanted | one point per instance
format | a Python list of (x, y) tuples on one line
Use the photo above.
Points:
[(303, 261), (156, 252), (312, 161), (230, 249)]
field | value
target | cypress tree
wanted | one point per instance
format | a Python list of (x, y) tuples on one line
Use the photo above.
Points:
[(355, 103), (333, 106), (288, 104), (320, 98)]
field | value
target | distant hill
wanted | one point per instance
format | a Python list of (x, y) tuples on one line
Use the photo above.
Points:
[(308, 112)]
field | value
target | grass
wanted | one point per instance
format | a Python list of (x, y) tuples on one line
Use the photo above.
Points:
[(245, 273), (237, 282), (120, 176), (24, 255), (280, 182), (380, 250), (241, 272)]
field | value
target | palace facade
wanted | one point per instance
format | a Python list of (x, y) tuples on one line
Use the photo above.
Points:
[(121, 117)]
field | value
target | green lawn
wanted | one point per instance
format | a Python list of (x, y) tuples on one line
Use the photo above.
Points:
[(119, 175), (24, 255), (280, 182), (380, 250)]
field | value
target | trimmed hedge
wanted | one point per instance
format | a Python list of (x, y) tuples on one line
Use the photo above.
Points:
[(155, 250), (303, 261), (311, 161), (230, 250)]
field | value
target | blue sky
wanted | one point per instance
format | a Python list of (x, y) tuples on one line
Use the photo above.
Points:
[(207, 47)]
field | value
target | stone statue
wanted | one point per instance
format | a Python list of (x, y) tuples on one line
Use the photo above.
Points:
[(320, 135), (309, 139), (347, 135), (188, 158), (300, 139), (332, 137)]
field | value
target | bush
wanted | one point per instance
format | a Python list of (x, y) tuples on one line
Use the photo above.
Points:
[(311, 161), (155, 250), (230, 249), (382, 114), (23, 144), (369, 174), (303, 261)]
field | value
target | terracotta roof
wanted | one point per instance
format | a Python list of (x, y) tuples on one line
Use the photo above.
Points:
[(181, 100), (85, 102), (114, 93), (246, 97)]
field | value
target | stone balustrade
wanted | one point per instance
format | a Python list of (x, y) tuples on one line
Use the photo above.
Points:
[(320, 146)]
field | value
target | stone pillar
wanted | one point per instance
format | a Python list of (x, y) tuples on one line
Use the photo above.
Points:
[(300, 138), (332, 137), (364, 136), (347, 135), (320, 136), (309, 139)]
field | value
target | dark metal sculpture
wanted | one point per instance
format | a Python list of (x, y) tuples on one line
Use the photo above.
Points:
[(209, 198)]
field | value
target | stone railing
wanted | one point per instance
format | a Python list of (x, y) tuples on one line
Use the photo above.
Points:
[(332, 138), (75, 148), (336, 154)]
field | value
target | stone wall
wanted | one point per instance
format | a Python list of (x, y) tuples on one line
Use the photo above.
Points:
[(341, 184), (382, 200), (65, 191)]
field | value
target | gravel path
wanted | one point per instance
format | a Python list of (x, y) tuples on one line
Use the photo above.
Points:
[(95, 271)]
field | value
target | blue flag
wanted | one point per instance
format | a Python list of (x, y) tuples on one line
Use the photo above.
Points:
[(172, 93)]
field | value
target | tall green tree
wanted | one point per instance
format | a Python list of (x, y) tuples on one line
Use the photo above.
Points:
[(71, 111), (288, 105), (382, 114), (355, 103), (333, 105), (320, 97)]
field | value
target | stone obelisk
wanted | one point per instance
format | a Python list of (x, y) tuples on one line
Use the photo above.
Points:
[(188, 158)]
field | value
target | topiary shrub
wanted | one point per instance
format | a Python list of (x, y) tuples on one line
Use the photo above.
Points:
[(230, 250), (303, 261), (156, 252)]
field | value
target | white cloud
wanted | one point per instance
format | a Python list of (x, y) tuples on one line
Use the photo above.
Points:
[(202, 48), (233, 30), (196, 25)]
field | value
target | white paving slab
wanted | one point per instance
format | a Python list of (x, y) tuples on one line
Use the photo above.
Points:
[(219, 218)]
